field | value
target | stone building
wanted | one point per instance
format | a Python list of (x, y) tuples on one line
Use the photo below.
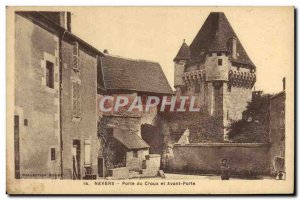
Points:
[(118, 76), (277, 131), (216, 69), (55, 72)]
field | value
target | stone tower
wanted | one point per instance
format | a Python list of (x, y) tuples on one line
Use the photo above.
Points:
[(182, 58), (216, 69)]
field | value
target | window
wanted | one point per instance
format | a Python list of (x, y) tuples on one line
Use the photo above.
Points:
[(219, 62), (25, 122), (219, 54), (49, 74), (76, 159), (52, 153), (76, 100), (135, 153), (75, 55)]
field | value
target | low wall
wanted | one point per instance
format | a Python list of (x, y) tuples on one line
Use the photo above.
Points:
[(244, 159), (118, 173), (151, 165)]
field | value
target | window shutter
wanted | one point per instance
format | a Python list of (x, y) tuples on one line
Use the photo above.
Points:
[(78, 100), (75, 55), (47, 77), (74, 99), (87, 153)]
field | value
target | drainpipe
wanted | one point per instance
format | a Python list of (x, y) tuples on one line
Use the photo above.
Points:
[(60, 101)]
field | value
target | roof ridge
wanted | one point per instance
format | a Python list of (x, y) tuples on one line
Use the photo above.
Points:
[(132, 59)]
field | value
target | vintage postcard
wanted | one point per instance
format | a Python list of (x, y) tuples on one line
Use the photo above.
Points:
[(150, 100)]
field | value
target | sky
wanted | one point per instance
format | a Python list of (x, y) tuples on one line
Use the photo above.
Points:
[(156, 34)]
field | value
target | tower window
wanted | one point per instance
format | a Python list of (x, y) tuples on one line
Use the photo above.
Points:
[(219, 62), (49, 74)]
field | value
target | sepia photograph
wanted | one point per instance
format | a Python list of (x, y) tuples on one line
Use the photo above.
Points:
[(150, 100)]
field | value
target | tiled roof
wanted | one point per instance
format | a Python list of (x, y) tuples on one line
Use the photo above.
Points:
[(129, 140), (183, 53), (136, 75), (214, 35)]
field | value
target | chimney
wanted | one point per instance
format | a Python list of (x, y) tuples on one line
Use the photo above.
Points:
[(283, 83), (233, 47), (105, 51), (62, 19), (65, 20)]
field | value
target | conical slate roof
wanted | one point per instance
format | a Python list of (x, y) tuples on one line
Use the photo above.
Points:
[(214, 36), (183, 53)]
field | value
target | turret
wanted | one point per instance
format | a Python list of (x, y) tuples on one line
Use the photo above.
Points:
[(181, 59)]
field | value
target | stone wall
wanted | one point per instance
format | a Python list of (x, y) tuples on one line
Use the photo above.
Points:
[(277, 132), (123, 119), (215, 72), (83, 128), (132, 124), (135, 163), (178, 72), (244, 159), (36, 105), (236, 102)]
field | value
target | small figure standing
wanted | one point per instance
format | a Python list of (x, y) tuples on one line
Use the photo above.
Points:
[(280, 176), (165, 160), (225, 169)]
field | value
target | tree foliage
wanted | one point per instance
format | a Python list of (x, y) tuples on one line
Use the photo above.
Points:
[(254, 126)]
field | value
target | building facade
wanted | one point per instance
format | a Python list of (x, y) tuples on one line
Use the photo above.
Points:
[(37, 110), (55, 71), (216, 69)]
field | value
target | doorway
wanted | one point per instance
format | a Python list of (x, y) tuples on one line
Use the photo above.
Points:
[(17, 146), (76, 159)]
